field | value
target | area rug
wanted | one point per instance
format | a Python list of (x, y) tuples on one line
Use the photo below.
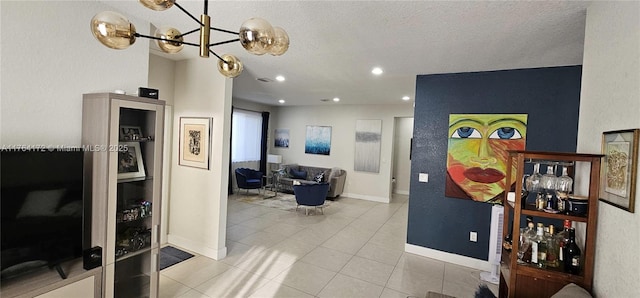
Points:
[(282, 201), (170, 256)]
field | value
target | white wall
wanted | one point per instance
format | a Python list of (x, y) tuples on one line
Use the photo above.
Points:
[(611, 101), (342, 118), (49, 59), (198, 197), (401, 161), (162, 77)]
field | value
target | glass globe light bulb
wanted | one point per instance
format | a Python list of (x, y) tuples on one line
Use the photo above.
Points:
[(231, 67), (158, 5), (280, 42), (171, 40), (256, 36), (113, 30)]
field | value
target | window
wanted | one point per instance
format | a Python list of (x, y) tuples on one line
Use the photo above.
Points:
[(246, 136)]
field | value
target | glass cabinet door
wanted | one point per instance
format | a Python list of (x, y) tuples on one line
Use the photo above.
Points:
[(137, 192)]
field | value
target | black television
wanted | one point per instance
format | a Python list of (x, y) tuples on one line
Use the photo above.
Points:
[(42, 210)]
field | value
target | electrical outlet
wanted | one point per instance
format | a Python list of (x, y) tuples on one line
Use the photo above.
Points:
[(473, 236), (423, 177)]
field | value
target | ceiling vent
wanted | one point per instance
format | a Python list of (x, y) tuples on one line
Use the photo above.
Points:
[(265, 80)]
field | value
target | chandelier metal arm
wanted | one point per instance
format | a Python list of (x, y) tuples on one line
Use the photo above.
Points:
[(188, 13), (171, 40), (224, 42), (187, 33), (225, 31), (212, 52)]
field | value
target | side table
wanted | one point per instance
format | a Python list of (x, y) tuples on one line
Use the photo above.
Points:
[(272, 183)]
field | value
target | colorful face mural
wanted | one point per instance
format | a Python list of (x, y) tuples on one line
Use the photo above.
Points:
[(477, 153)]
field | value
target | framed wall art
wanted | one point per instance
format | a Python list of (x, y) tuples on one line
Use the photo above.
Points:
[(281, 138), (130, 164), (318, 140), (367, 153), (619, 169), (194, 146)]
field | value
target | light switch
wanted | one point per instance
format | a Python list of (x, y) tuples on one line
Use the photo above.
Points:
[(423, 177)]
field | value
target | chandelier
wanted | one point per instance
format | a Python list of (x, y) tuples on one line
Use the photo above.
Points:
[(256, 35)]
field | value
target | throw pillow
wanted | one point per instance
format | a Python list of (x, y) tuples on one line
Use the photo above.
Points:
[(41, 203), (319, 178), (298, 174)]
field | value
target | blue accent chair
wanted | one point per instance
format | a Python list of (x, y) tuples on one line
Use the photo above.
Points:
[(249, 179), (311, 195)]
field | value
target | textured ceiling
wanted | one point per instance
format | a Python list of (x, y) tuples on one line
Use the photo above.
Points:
[(335, 44)]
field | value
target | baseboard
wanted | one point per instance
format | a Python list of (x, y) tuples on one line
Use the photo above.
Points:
[(447, 257), (401, 192), (366, 197), (199, 248)]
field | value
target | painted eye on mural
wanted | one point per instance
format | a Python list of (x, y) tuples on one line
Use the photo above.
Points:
[(506, 133), (466, 133)]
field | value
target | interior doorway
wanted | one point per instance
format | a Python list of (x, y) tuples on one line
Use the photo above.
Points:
[(401, 174)]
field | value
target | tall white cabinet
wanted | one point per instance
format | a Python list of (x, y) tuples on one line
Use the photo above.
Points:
[(123, 137)]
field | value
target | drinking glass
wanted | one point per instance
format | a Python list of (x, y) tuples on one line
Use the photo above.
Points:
[(532, 182), (548, 180)]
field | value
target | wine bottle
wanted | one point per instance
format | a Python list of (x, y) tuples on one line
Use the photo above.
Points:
[(573, 255), (563, 240)]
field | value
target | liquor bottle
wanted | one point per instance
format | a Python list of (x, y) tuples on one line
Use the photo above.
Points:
[(573, 259), (564, 185), (549, 204), (563, 239), (552, 248), (540, 201), (539, 248), (528, 236)]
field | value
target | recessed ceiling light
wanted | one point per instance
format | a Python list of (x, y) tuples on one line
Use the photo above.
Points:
[(280, 78), (406, 98), (281, 101), (377, 71), (336, 99)]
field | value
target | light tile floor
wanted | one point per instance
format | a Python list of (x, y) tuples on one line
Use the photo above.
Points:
[(356, 249)]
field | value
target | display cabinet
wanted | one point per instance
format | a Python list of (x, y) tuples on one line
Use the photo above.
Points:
[(122, 137), (522, 279)]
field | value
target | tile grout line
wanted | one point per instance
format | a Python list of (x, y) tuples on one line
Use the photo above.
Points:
[(383, 287), (320, 245), (403, 252)]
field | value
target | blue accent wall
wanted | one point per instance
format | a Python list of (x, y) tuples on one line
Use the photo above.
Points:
[(551, 98)]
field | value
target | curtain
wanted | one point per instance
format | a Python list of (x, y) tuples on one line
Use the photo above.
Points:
[(246, 136), (249, 132), (263, 145)]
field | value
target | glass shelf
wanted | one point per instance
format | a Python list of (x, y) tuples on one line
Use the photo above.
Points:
[(134, 253), (136, 141)]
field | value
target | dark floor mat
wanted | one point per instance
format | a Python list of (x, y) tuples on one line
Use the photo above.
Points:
[(170, 256)]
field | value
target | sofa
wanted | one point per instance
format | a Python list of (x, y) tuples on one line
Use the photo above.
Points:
[(308, 175)]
